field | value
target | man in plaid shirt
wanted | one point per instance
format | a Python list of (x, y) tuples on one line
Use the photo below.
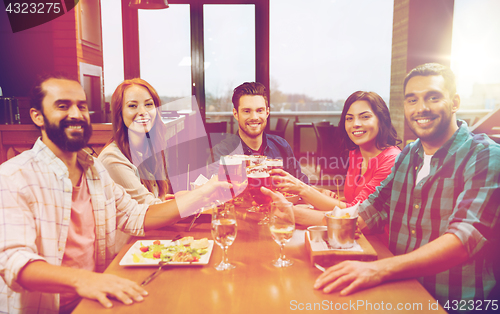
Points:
[(60, 209), (441, 202)]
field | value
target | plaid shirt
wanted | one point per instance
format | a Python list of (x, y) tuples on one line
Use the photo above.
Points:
[(461, 196), (35, 211)]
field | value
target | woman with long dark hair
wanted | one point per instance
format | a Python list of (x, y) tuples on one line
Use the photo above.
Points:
[(368, 134)]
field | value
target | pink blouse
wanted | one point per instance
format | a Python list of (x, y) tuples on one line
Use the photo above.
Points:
[(358, 187)]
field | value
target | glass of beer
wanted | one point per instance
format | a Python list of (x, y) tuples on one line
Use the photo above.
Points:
[(258, 177), (253, 160), (274, 164), (232, 170)]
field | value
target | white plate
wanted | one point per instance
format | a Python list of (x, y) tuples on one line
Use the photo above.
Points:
[(127, 259)]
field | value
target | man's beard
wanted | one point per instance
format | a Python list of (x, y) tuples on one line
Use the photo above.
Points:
[(254, 135), (57, 134)]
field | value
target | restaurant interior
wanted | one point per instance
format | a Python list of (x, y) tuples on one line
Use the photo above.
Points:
[(76, 43), (417, 32)]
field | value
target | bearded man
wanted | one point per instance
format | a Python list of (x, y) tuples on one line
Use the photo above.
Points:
[(60, 211)]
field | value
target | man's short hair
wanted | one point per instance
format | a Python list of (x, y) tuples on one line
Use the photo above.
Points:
[(249, 88), (38, 94), (430, 69)]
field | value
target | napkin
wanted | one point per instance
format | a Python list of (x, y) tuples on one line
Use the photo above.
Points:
[(323, 246), (339, 212), (198, 182)]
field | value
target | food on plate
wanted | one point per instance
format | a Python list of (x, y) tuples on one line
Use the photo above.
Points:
[(184, 250), (186, 240), (199, 244)]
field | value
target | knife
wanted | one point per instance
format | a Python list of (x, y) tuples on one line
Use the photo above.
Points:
[(161, 264), (153, 275), (194, 219), (319, 267)]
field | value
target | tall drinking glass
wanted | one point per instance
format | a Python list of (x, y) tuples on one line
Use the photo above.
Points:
[(259, 177), (224, 229), (232, 170), (282, 226), (274, 164)]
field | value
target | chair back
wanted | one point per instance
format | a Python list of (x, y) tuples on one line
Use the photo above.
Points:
[(216, 127), (324, 134), (280, 129), (328, 148), (282, 124)]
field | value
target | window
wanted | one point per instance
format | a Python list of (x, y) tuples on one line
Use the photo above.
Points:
[(112, 41), (229, 39), (323, 51), (474, 55), (90, 23), (165, 52), (167, 43)]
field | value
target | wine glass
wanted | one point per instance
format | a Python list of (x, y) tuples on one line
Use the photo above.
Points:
[(282, 226), (224, 228)]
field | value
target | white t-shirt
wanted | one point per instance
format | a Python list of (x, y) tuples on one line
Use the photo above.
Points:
[(426, 168)]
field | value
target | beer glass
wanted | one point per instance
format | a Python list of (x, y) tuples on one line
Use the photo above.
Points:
[(274, 164), (232, 170), (258, 177)]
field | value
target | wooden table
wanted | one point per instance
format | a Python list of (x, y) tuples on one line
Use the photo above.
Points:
[(254, 286)]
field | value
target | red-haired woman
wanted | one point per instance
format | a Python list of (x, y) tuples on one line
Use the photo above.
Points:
[(137, 130), (135, 157)]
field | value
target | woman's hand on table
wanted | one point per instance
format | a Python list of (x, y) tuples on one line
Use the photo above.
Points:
[(350, 276), (100, 287)]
